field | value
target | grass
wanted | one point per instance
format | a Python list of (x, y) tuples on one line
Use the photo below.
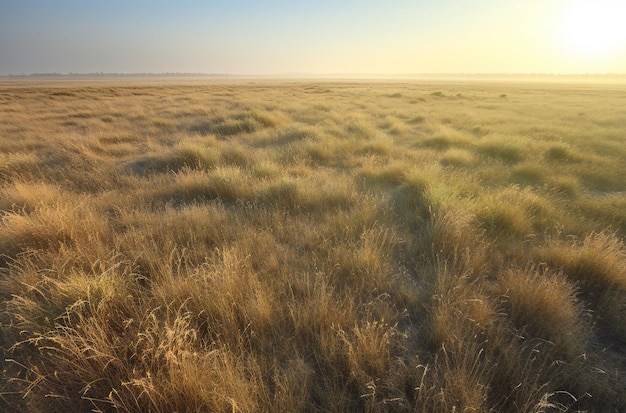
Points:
[(312, 246)]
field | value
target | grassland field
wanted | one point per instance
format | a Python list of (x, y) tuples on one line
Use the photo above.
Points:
[(283, 246)]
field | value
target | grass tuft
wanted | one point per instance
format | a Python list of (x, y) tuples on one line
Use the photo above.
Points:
[(598, 264), (559, 153), (458, 158), (500, 149), (542, 304)]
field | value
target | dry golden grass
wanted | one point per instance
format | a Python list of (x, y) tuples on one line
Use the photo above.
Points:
[(306, 246)]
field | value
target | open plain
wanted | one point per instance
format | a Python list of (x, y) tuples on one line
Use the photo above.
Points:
[(298, 245)]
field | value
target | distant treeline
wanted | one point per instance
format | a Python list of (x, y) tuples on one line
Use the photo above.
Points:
[(103, 74)]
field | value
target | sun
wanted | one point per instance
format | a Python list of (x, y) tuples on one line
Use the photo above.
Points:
[(594, 29)]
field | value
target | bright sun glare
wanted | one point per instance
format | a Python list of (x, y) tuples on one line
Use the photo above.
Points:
[(594, 28)]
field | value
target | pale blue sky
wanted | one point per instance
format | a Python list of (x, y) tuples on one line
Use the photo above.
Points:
[(315, 37)]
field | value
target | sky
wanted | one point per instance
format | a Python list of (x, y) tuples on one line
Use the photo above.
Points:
[(313, 37)]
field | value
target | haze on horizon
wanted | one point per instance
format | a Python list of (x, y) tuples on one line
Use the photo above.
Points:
[(321, 37)]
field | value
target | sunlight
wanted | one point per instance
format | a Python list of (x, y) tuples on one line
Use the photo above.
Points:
[(594, 29)]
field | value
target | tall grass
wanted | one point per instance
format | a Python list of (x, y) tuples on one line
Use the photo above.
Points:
[(281, 246)]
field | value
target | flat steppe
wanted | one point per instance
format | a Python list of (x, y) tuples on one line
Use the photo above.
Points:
[(199, 245)]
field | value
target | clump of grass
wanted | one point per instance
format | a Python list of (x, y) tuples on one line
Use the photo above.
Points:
[(267, 170), (320, 196), (504, 215), (559, 153), (359, 129), (194, 156), (503, 150), (117, 150), (603, 178), (599, 260), (184, 236), (392, 174), (544, 304), (267, 119), (168, 373), (478, 130), (14, 165), (164, 123), (364, 264), (186, 155), (188, 186), (326, 151), (518, 211), (236, 155), (530, 174), (49, 227), (566, 185), (452, 235), (609, 209), (232, 127), (26, 196), (394, 126), (438, 142), (284, 137), (506, 219), (285, 193), (598, 263), (412, 199), (381, 146), (459, 310), (458, 158), (418, 181), (202, 127), (417, 119)]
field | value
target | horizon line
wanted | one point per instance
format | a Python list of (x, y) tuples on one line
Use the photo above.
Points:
[(307, 74)]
